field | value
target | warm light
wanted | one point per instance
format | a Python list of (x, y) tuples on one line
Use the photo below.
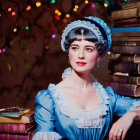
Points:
[(74, 9), (15, 30), (13, 13), (56, 11), (0, 51), (105, 5), (28, 7), (108, 52), (0, 15), (76, 6), (86, 1), (93, 5), (67, 15), (59, 13), (57, 17), (46, 47), (9, 9), (38, 4)]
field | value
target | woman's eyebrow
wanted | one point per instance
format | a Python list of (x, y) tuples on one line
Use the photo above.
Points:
[(74, 45), (90, 46)]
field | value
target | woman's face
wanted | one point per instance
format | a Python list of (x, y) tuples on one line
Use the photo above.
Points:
[(83, 55)]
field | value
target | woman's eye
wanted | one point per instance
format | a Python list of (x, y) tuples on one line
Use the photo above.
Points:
[(89, 49), (74, 48)]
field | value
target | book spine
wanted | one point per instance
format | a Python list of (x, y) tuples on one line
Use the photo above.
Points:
[(125, 38), (124, 14), (127, 25), (130, 5), (15, 137), (124, 79), (126, 43), (125, 49), (124, 67), (16, 127), (125, 34), (130, 58), (125, 89)]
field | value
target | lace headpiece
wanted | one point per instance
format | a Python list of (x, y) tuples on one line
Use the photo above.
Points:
[(91, 26)]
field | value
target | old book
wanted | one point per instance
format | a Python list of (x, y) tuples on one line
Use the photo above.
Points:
[(125, 89), (126, 58), (13, 111), (16, 127), (26, 118), (126, 34), (127, 25), (125, 49), (17, 136), (126, 13), (124, 79), (126, 43), (126, 38), (131, 5), (126, 67)]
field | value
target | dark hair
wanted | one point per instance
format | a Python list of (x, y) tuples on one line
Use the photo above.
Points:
[(88, 35)]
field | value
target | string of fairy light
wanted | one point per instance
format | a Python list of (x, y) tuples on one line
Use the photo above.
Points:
[(58, 14)]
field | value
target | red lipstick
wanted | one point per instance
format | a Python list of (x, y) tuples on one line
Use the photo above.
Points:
[(80, 63)]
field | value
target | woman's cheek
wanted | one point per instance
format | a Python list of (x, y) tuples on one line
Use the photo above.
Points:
[(71, 56)]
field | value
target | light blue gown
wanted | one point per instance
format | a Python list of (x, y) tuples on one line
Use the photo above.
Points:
[(57, 118)]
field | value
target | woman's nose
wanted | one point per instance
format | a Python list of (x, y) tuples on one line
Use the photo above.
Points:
[(81, 54)]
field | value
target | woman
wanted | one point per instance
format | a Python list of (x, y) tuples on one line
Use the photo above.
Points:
[(80, 108)]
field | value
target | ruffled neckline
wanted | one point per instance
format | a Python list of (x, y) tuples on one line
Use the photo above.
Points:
[(83, 118)]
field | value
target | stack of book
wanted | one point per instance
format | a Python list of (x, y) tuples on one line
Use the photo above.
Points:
[(125, 61), (16, 124)]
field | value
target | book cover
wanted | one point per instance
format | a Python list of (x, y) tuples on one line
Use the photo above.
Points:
[(16, 127), (125, 49), (125, 89), (126, 13), (125, 67), (124, 79), (25, 118)]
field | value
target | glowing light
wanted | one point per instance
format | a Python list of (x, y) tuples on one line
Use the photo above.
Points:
[(96, 3), (0, 15), (38, 4), (27, 28), (15, 30), (86, 1), (67, 15), (3, 50), (13, 13), (108, 52), (76, 6), (93, 5), (57, 17), (65, 20), (74, 9), (9, 9), (59, 13), (125, 0), (46, 47), (105, 5), (56, 11), (52, 1), (53, 36), (28, 8), (0, 51)]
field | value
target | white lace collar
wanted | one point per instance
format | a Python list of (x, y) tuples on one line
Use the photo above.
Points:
[(83, 118)]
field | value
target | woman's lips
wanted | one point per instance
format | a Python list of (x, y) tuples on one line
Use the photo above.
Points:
[(80, 63)]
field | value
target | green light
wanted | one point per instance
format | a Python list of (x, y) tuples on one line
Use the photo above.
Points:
[(125, 0), (96, 3), (27, 28), (52, 1)]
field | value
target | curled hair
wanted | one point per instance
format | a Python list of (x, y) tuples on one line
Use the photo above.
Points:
[(88, 35)]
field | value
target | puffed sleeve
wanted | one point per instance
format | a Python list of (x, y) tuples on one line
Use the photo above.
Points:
[(122, 104), (44, 117)]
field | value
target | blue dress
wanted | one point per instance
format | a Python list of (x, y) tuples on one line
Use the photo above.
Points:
[(57, 118)]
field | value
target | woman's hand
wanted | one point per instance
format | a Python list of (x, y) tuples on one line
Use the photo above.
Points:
[(121, 126)]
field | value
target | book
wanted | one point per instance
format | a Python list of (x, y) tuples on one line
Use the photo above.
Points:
[(126, 58), (125, 89), (126, 29), (127, 25), (16, 136), (130, 5), (126, 13), (126, 67), (124, 79), (25, 118), (13, 111), (126, 34), (126, 38), (126, 43), (125, 49), (16, 127)]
